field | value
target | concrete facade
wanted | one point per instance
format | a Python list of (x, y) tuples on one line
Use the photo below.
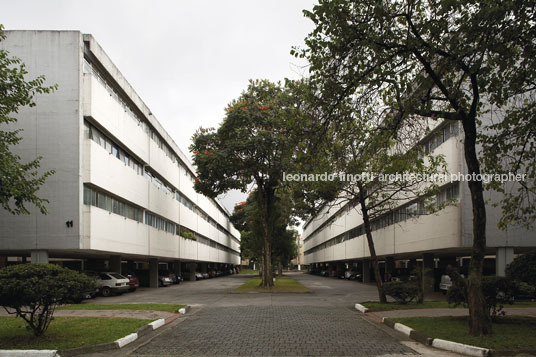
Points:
[(435, 239), (122, 190)]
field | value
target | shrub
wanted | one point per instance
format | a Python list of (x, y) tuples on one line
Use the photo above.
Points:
[(497, 291), (525, 291), (32, 291), (401, 291), (523, 268)]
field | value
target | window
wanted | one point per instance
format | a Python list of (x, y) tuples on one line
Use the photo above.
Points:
[(112, 148), (95, 198)]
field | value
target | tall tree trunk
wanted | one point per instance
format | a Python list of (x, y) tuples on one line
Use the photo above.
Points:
[(280, 269), (264, 195), (373, 257), (480, 321)]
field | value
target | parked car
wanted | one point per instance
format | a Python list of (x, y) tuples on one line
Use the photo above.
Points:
[(110, 282), (445, 283), (237, 270), (133, 281), (219, 273), (349, 274), (164, 281), (198, 276), (205, 276), (170, 275)]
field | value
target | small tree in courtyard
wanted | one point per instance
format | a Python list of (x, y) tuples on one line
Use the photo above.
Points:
[(32, 291)]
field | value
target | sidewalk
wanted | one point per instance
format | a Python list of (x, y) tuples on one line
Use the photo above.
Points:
[(510, 311), (132, 314)]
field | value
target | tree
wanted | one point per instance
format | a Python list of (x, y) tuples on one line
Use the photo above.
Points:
[(246, 219), (19, 182), (430, 59), (523, 268), (32, 291), (251, 145), (366, 143)]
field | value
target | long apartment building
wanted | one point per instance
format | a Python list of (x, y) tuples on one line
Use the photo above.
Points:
[(123, 190), (335, 240)]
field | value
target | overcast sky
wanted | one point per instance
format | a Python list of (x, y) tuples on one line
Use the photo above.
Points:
[(186, 59)]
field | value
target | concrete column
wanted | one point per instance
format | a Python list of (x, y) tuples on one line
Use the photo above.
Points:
[(3, 261), (366, 270), (39, 256), (504, 256), (177, 267), (153, 273), (193, 267), (428, 266), (389, 267), (114, 264), (202, 267)]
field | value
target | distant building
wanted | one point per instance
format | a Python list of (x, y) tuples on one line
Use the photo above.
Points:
[(334, 239), (123, 190)]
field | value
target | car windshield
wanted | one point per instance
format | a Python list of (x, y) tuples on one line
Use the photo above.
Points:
[(117, 276)]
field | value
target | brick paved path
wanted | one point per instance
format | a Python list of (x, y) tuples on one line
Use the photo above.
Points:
[(275, 331)]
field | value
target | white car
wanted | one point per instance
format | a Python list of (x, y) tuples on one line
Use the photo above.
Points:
[(110, 282)]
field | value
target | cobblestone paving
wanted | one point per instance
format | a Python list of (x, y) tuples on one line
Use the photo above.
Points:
[(275, 331)]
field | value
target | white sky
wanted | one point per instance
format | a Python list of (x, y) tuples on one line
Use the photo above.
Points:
[(186, 59)]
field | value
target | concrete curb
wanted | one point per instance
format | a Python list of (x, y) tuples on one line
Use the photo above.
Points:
[(117, 344), (30, 353), (450, 346), (158, 323), (459, 348), (361, 308)]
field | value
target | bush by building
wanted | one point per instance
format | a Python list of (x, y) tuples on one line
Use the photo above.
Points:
[(402, 292)]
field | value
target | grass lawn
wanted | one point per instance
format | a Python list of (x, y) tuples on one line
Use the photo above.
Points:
[(249, 271), (509, 332), (154, 307), (282, 285), (66, 332), (376, 306)]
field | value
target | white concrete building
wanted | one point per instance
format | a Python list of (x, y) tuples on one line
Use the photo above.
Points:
[(123, 190), (335, 238)]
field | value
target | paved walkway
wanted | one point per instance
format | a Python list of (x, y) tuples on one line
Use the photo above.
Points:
[(521, 311), (321, 323), (275, 331)]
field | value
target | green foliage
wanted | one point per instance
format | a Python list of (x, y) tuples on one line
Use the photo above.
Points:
[(252, 144), (19, 181), (402, 292), (32, 291), (525, 291), (429, 60), (186, 234), (497, 291), (523, 268)]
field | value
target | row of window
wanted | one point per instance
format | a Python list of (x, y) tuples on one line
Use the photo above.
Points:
[(88, 68), (103, 141), (450, 130), (400, 214), (97, 136), (111, 204), (112, 148), (102, 200)]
